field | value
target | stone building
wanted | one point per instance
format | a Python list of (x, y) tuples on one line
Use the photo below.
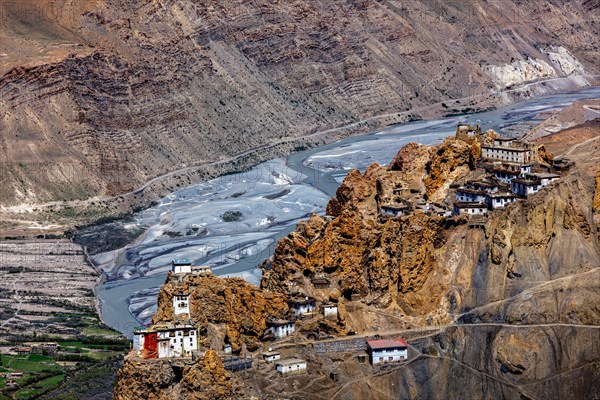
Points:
[(302, 305), (468, 133), (280, 328)]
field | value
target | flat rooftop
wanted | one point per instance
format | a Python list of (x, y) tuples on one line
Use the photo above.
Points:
[(290, 361), (387, 343)]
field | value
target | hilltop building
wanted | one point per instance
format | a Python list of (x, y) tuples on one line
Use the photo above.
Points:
[(468, 133), (181, 304), (300, 306), (509, 150), (181, 266), (165, 341), (387, 350), (201, 269), (280, 328)]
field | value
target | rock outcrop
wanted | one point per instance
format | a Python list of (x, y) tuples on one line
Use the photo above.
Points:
[(163, 380), (234, 310), (451, 161), (432, 266)]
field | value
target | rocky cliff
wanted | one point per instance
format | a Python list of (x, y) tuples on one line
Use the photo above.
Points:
[(102, 96), (232, 310), (516, 298), (430, 265), (164, 380)]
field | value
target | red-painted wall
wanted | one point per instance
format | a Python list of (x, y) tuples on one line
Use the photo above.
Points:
[(150, 345)]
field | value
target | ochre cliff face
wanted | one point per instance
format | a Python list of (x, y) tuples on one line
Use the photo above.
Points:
[(101, 96), (388, 261), (430, 266), (160, 380), (453, 160), (232, 303)]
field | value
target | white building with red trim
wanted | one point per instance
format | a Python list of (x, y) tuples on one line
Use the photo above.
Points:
[(387, 351)]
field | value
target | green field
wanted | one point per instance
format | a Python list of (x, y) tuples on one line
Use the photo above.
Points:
[(98, 331), (51, 381), (30, 363)]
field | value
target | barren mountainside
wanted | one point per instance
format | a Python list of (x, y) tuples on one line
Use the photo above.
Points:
[(100, 96)]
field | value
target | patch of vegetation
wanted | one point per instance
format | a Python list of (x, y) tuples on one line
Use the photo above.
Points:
[(87, 382), (232, 216), (30, 363)]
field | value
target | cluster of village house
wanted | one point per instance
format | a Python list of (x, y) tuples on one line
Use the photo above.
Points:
[(176, 339), (41, 348), (511, 173)]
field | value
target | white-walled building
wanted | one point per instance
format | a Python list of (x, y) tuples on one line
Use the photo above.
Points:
[(506, 172), (330, 310), (482, 186), (466, 195), (525, 187), (499, 200), (181, 304), (506, 175), (181, 266), (544, 178), (291, 366), (280, 328), (270, 356), (138, 339), (395, 210), (387, 350), (470, 209), (176, 340), (509, 154), (502, 141), (304, 305)]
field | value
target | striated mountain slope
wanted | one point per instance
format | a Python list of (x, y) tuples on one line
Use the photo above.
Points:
[(100, 96)]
